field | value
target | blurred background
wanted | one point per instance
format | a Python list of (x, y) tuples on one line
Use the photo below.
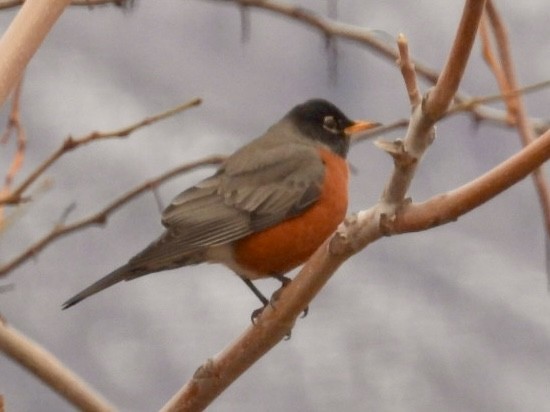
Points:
[(456, 318)]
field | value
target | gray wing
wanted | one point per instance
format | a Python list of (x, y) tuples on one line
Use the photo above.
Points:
[(253, 190)]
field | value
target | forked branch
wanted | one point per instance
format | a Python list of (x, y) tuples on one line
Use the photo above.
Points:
[(273, 324)]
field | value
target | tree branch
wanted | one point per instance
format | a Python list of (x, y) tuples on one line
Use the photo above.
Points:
[(72, 143), (9, 4), (23, 37), (14, 125), (447, 83), (47, 368), (333, 29), (516, 107), (353, 235), (407, 70), (100, 218)]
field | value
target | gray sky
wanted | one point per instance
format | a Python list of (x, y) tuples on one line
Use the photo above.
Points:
[(456, 318)]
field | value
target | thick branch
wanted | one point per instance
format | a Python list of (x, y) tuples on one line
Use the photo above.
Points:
[(273, 324), (450, 206), (354, 235), (23, 37), (447, 83)]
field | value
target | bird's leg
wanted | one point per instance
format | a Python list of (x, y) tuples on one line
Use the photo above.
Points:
[(259, 295), (284, 282)]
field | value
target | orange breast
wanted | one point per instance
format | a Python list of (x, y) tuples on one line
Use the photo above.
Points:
[(281, 248)]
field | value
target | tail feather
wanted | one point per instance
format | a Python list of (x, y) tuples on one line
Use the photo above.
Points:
[(163, 254), (122, 273)]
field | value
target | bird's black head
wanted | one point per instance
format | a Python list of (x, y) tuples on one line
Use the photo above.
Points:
[(322, 121)]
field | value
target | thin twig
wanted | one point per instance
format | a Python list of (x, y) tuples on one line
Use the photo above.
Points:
[(9, 4), (475, 101), (100, 218), (14, 126), (516, 105), (493, 63), (407, 70), (366, 38), (380, 131), (459, 108), (50, 370), (72, 143)]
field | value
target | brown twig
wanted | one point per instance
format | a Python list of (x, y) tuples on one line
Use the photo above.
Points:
[(493, 63), (380, 131), (516, 106), (14, 126), (475, 101), (332, 29), (459, 108), (100, 218), (15, 215), (335, 30), (407, 70), (9, 4), (72, 143), (50, 370)]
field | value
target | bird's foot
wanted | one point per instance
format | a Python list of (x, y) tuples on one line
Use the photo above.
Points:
[(256, 313), (275, 296)]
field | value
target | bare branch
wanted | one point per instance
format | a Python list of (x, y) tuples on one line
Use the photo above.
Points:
[(475, 101), (14, 125), (420, 134), (332, 29), (447, 83), (9, 4), (23, 37), (516, 106), (72, 143), (49, 369), (467, 105), (353, 235), (407, 70), (450, 206), (494, 65), (100, 218), (380, 131)]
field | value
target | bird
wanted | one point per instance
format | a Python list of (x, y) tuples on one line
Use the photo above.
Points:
[(265, 210)]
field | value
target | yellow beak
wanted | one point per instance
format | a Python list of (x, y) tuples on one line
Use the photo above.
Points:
[(360, 126)]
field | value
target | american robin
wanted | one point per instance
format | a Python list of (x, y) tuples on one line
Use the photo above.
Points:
[(265, 210)]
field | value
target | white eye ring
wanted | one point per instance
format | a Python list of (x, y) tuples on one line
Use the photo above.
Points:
[(330, 124)]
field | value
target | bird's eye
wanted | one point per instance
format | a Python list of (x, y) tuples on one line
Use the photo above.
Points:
[(330, 124)]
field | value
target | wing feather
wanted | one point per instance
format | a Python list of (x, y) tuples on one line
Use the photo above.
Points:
[(243, 197)]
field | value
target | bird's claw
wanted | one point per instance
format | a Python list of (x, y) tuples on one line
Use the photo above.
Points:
[(255, 314), (275, 296)]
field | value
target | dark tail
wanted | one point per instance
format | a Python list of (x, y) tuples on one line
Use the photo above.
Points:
[(120, 274)]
